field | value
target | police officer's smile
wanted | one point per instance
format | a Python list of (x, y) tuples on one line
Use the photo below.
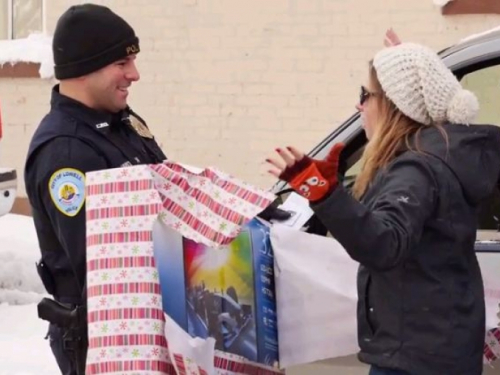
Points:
[(124, 90)]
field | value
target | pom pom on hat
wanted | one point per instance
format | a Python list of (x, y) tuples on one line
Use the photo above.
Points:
[(416, 80), (463, 108)]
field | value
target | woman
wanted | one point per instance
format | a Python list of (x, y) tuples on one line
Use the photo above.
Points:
[(411, 219)]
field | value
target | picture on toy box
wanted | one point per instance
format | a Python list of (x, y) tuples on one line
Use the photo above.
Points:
[(226, 293)]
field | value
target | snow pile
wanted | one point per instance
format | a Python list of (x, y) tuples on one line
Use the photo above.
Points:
[(19, 281), (36, 48), (23, 350), (441, 3)]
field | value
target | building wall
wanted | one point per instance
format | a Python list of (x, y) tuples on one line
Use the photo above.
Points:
[(226, 81)]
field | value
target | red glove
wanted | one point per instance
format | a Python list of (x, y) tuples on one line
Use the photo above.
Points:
[(313, 178)]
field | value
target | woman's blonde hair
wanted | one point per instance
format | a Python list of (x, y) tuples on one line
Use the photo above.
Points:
[(391, 133)]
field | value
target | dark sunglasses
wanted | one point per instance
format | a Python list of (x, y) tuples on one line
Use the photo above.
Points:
[(364, 95)]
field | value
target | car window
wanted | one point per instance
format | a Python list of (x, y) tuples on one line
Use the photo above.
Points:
[(354, 170), (351, 173), (485, 83)]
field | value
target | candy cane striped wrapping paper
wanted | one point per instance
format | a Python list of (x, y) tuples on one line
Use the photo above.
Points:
[(126, 323), (209, 207), (492, 346)]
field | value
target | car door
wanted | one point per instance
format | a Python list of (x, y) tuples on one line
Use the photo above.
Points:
[(485, 83)]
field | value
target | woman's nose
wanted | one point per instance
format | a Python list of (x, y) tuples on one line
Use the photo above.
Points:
[(359, 107)]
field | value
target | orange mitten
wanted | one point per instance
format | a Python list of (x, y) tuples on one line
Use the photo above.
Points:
[(313, 179)]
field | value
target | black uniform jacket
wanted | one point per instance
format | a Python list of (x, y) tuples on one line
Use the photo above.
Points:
[(71, 140)]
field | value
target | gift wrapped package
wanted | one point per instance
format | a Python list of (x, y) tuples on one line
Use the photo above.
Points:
[(126, 317)]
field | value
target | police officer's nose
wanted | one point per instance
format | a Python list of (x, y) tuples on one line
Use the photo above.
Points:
[(132, 73)]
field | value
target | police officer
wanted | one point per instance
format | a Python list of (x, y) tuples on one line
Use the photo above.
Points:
[(89, 127)]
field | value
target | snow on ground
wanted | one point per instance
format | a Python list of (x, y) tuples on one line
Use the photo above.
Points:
[(19, 281), (23, 350)]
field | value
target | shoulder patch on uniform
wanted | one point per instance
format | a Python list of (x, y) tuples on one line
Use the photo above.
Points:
[(67, 190)]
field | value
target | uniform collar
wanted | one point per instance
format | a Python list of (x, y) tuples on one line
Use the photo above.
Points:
[(98, 120)]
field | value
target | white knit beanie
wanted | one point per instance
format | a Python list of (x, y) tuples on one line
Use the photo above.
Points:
[(415, 79)]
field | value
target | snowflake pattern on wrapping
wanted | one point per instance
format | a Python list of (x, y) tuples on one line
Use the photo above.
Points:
[(126, 319)]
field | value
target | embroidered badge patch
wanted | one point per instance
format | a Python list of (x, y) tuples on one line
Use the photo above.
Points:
[(67, 190), (140, 128)]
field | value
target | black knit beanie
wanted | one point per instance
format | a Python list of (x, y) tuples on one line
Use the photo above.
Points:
[(87, 38)]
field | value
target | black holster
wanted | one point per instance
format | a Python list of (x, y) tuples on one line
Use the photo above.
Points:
[(73, 321)]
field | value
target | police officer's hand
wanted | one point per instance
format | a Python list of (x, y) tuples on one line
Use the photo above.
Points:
[(272, 212)]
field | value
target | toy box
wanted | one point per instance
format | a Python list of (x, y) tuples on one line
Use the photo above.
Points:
[(226, 293)]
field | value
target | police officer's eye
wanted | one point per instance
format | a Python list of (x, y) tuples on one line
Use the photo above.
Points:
[(6, 193)]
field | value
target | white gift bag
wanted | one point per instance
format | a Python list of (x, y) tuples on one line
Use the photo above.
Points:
[(316, 297), (193, 356)]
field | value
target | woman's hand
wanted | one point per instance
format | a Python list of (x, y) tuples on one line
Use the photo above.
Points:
[(391, 38), (311, 178), (287, 158)]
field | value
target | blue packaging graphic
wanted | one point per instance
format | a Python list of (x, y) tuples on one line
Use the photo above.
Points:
[(226, 293)]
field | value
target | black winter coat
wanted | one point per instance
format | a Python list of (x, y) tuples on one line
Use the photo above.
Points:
[(420, 292)]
